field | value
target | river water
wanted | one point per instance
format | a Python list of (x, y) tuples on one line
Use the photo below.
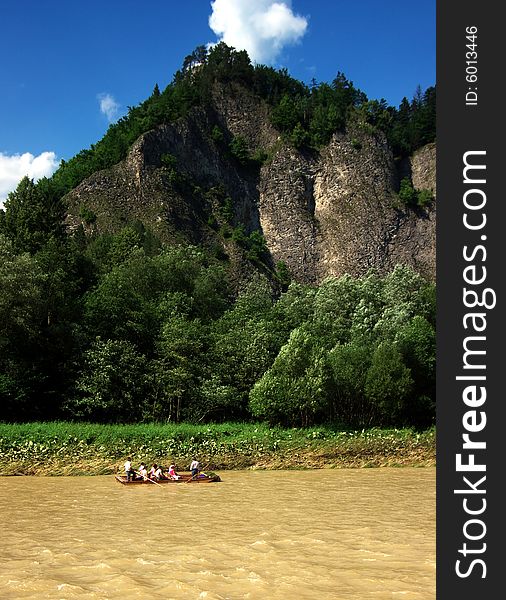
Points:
[(348, 534)]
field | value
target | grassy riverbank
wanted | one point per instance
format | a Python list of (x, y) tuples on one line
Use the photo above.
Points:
[(79, 448)]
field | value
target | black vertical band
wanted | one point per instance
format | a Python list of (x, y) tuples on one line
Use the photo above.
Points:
[(471, 267)]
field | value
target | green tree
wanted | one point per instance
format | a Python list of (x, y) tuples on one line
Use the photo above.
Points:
[(346, 94), (109, 250), (295, 390), (376, 113), (227, 64), (67, 276), (114, 385), (400, 134), (299, 136), (217, 135), (21, 293), (417, 344), (180, 367), (413, 123), (368, 308), (218, 401), (244, 344), (407, 192), (283, 274), (33, 214), (129, 301), (122, 306), (349, 364), (21, 323), (293, 308), (388, 384), (285, 116), (335, 302)]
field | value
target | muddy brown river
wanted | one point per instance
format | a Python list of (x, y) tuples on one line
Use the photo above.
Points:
[(350, 534)]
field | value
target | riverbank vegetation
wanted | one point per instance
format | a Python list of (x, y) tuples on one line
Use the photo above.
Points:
[(61, 448)]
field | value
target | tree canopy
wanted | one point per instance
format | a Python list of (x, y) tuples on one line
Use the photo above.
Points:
[(108, 331)]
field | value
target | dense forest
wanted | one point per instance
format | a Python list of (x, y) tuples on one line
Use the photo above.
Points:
[(122, 328)]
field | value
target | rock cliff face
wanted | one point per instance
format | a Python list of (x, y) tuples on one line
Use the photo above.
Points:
[(322, 213)]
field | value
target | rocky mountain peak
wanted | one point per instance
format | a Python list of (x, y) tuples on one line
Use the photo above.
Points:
[(322, 213)]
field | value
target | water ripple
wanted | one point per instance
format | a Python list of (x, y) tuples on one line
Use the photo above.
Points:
[(336, 535)]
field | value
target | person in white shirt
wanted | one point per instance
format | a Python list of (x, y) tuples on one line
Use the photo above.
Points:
[(194, 467), (129, 472), (143, 472)]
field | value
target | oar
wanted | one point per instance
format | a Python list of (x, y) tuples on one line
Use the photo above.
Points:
[(151, 480)]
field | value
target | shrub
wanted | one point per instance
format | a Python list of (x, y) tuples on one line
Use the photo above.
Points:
[(87, 215), (283, 274), (168, 160), (413, 198), (424, 198), (239, 150), (407, 192), (217, 135)]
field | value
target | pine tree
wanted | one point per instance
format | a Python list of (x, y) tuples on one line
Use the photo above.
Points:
[(33, 214)]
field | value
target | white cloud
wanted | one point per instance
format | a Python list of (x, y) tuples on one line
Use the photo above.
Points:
[(108, 106), (261, 27), (14, 167)]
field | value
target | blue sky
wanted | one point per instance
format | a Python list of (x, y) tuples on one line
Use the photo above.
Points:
[(70, 67)]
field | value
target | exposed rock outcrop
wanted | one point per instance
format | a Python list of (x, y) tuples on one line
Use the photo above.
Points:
[(338, 212), (322, 213), (421, 168)]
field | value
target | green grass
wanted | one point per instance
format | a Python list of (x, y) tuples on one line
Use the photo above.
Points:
[(75, 448)]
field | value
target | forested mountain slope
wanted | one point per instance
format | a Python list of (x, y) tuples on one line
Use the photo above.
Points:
[(322, 211), (239, 246)]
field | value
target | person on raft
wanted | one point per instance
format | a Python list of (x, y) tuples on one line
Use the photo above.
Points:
[(143, 472), (195, 467), (172, 472), (129, 472), (154, 472)]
